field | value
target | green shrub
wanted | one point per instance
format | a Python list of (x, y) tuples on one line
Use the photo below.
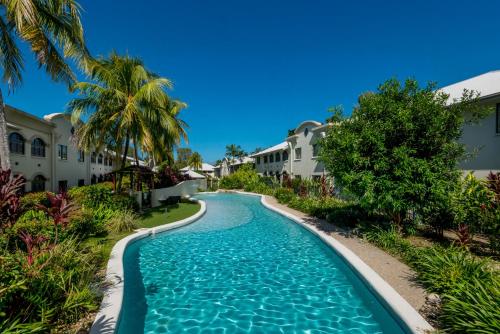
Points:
[(284, 195), (243, 176), (55, 288), (391, 241), (346, 214), (92, 195), (30, 200), (124, 202), (124, 221), (450, 270), (475, 310), (101, 194)]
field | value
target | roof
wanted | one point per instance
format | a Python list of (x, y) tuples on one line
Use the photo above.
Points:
[(204, 167), (315, 123), (50, 117), (244, 160), (194, 175), (24, 113), (487, 84), (278, 147)]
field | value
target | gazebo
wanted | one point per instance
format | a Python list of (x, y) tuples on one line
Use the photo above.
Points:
[(138, 175)]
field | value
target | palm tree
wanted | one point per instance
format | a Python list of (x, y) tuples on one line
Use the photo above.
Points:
[(234, 151), (195, 161), (53, 31), (127, 103)]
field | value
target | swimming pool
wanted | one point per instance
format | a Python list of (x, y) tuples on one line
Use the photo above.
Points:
[(242, 268)]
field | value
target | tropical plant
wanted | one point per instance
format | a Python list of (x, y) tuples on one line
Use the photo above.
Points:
[(60, 211), (10, 207), (399, 150), (195, 161), (471, 203), (53, 31), (245, 175), (127, 103), (234, 152), (123, 221)]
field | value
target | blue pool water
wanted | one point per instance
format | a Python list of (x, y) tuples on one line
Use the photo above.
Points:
[(244, 269)]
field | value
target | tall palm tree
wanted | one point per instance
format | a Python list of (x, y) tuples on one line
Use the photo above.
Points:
[(234, 151), (125, 103), (53, 31), (195, 161)]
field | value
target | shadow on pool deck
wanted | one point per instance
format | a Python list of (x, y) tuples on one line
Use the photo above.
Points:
[(401, 277)]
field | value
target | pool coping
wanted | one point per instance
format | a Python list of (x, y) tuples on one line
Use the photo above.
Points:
[(107, 318), (406, 314)]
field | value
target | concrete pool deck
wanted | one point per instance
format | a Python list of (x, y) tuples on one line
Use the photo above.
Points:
[(397, 274)]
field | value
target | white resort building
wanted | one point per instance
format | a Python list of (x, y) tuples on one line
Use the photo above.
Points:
[(482, 140), (297, 156), (42, 150), (227, 167), (206, 169)]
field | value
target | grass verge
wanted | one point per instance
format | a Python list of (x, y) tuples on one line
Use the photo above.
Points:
[(151, 218)]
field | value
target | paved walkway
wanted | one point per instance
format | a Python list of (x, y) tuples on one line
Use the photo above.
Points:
[(397, 274)]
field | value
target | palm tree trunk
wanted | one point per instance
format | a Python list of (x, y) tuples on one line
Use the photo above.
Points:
[(135, 154), (4, 143), (124, 160), (125, 151)]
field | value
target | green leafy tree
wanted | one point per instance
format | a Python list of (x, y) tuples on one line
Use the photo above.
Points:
[(399, 150), (195, 161), (53, 31)]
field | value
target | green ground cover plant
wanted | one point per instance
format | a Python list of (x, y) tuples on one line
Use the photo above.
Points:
[(54, 247)]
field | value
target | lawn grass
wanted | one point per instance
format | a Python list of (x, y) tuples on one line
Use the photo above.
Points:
[(151, 218)]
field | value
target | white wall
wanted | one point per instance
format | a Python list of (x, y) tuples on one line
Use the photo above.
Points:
[(482, 141), (185, 188), (30, 128), (307, 166)]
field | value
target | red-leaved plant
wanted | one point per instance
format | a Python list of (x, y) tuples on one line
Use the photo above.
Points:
[(60, 210), (32, 245), (10, 188)]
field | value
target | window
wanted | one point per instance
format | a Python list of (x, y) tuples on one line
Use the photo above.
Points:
[(93, 179), (110, 162), (37, 148), (99, 159), (315, 150), (258, 160), (285, 155), (298, 153), (38, 183), (63, 186), (278, 156), (265, 159), (16, 143), (81, 156), (62, 152), (306, 131), (105, 160), (93, 157), (271, 158), (498, 120), (81, 182)]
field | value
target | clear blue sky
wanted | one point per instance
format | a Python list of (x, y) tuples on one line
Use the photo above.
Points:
[(250, 70)]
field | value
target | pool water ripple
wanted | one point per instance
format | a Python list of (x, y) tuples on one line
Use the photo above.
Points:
[(242, 268)]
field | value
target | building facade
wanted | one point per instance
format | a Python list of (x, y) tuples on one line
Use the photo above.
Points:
[(297, 156), (482, 139), (227, 167), (44, 153)]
